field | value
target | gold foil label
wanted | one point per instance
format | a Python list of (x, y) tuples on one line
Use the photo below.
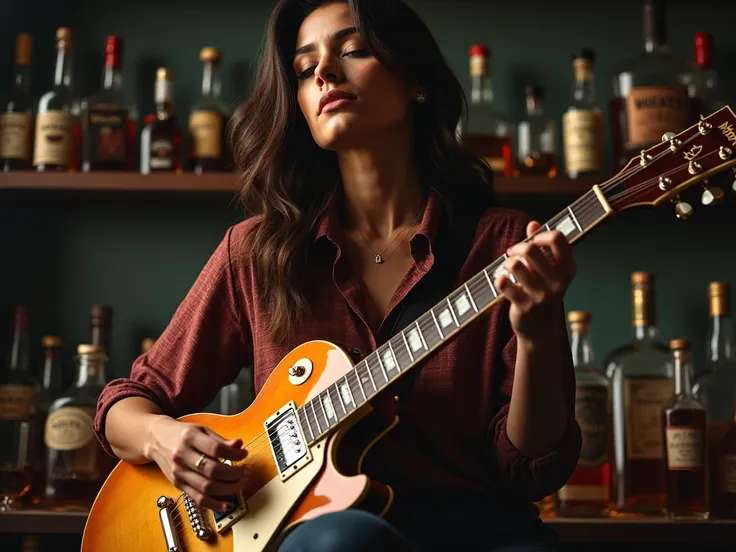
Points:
[(653, 110), (644, 398), (15, 130), (584, 492), (16, 401), (583, 138), (728, 473), (206, 130), (685, 448), (69, 428), (54, 137)]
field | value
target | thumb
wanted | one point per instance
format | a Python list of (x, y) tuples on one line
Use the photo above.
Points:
[(532, 227), (235, 443)]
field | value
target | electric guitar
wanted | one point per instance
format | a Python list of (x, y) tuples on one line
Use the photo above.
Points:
[(313, 422)]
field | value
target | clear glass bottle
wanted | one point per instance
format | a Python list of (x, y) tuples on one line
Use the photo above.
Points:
[(582, 123), (586, 492), (641, 376), (702, 81), (77, 466), (649, 98), (686, 453), (109, 118), (52, 386), (487, 133), (18, 391), (536, 141), (17, 111), (57, 123), (208, 148), (715, 386), (161, 137)]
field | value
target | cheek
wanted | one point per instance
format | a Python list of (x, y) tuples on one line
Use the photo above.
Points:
[(382, 91)]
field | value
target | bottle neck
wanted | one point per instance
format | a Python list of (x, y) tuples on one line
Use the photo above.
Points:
[(481, 89), (720, 345), (164, 97), (52, 371), (582, 348), (533, 105), (645, 332), (583, 89), (112, 78), (655, 28), (682, 374), (211, 83), (644, 319), (20, 349), (63, 73), (91, 371), (22, 77)]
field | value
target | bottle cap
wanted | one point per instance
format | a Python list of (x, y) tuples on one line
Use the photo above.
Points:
[(114, 52), (479, 50), (100, 315), (164, 74), (64, 39), (642, 277), (703, 48), (89, 349), (210, 53), (719, 299), (23, 49), (579, 317), (679, 345), (51, 341)]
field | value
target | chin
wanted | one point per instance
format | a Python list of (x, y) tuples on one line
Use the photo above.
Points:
[(340, 138)]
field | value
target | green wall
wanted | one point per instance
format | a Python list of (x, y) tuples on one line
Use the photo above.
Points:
[(61, 253)]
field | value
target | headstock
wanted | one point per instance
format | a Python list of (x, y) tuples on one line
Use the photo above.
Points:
[(681, 160)]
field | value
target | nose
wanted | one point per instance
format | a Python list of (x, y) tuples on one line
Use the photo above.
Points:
[(328, 71)]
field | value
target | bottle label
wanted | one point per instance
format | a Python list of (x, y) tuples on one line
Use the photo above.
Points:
[(54, 137), (106, 135), (591, 412), (16, 401), (653, 110), (644, 398), (69, 428), (597, 493), (728, 473), (583, 136), (15, 130), (161, 151), (206, 130), (685, 448)]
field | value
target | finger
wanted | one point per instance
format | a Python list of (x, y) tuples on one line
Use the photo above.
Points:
[(211, 467), (210, 488), (532, 227), (202, 500), (211, 444), (531, 281), (540, 263), (560, 248), (515, 294)]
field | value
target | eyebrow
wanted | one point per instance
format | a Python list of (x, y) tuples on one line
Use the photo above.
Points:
[(335, 36)]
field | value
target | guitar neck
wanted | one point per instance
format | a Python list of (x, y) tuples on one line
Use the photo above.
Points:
[(432, 329)]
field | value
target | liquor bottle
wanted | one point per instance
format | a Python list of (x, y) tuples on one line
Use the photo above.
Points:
[(686, 452), (649, 98), (487, 133), (109, 118), (77, 466), (18, 390), (546, 506), (209, 151), (715, 386), (536, 142), (587, 490), (702, 80), (161, 136), (640, 373), (582, 123), (146, 344), (16, 113), (725, 501), (52, 386), (100, 324), (57, 125)]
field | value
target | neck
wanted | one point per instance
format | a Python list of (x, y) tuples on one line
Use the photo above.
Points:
[(381, 188)]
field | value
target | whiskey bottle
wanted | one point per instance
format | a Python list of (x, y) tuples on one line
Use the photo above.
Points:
[(487, 133), (715, 386), (161, 136), (109, 118), (684, 422), (702, 80), (16, 112), (52, 387), (649, 97), (77, 466), (536, 142), (641, 377), (18, 390), (100, 325), (582, 123), (57, 125), (146, 344), (586, 493), (209, 151)]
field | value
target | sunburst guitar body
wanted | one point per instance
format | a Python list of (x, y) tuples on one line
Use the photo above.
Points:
[(302, 469)]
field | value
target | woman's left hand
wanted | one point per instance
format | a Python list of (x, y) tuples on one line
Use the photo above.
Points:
[(541, 281)]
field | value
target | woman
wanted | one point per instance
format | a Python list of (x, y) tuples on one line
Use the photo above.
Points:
[(349, 160)]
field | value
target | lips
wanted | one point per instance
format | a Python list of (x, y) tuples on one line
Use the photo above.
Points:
[(333, 99)]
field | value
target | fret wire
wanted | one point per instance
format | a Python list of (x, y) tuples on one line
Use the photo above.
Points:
[(574, 219), (396, 360), (360, 383), (322, 406), (457, 324), (380, 363), (306, 419), (347, 386), (490, 284), (421, 336), (316, 418), (406, 344), (373, 383), (442, 335), (337, 389), (470, 296)]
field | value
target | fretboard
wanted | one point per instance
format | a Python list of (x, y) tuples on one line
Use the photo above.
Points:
[(431, 330)]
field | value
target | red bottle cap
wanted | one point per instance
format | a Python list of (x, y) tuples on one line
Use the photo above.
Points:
[(478, 50), (114, 52), (703, 48)]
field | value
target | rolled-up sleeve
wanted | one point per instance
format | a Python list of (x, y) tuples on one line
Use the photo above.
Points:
[(537, 477), (203, 348)]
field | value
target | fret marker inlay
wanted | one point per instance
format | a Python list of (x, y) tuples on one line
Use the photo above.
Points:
[(566, 226), (415, 341), (445, 318), (462, 305), (388, 361), (347, 397)]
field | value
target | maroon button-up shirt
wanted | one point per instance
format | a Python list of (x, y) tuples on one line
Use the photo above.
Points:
[(452, 429)]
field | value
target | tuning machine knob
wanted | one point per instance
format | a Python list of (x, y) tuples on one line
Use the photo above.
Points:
[(710, 195), (683, 209)]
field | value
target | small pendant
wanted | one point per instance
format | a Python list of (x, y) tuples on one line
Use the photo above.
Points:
[(379, 259)]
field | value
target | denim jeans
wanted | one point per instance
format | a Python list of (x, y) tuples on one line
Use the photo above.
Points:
[(359, 531)]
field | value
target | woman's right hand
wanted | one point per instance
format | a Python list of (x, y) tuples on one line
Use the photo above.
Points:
[(177, 448)]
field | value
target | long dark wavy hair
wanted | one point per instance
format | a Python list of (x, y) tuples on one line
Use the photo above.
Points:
[(290, 181)]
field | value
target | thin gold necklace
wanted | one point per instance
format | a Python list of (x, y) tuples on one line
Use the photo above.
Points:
[(379, 256)]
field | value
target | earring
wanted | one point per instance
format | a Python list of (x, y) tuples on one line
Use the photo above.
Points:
[(421, 98)]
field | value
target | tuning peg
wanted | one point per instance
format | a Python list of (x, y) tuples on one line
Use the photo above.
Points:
[(667, 136), (683, 209), (710, 195)]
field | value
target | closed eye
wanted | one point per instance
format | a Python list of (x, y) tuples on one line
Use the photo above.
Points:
[(359, 53)]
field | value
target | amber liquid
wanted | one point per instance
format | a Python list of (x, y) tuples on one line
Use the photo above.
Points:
[(75, 157), (223, 163), (9, 164), (158, 159), (14, 483), (114, 165), (538, 163), (724, 498), (494, 150), (595, 481), (70, 488), (687, 489)]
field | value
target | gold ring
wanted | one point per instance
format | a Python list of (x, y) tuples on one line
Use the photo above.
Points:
[(199, 464)]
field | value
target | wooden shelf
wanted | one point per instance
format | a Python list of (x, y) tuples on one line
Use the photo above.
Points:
[(43, 522), (224, 184)]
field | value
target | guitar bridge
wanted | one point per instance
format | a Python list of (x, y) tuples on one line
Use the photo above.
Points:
[(286, 437)]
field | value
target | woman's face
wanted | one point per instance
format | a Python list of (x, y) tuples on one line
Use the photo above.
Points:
[(347, 97)]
